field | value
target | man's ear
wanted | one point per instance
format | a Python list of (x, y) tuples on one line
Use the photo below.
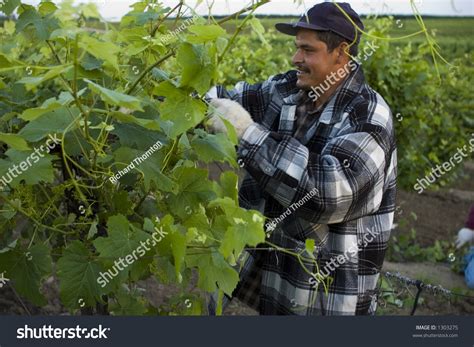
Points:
[(342, 53)]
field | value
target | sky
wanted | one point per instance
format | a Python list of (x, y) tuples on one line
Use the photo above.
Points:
[(114, 9)]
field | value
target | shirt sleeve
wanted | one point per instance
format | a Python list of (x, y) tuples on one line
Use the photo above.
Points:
[(344, 182), (253, 97)]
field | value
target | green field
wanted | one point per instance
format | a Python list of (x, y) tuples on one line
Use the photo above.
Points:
[(454, 35)]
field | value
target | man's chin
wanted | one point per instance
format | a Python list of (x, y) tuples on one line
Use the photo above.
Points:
[(303, 85)]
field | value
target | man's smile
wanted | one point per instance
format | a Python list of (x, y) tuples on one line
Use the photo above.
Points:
[(302, 71)]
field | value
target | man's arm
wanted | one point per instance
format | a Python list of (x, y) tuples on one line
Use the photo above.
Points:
[(342, 183), (253, 97)]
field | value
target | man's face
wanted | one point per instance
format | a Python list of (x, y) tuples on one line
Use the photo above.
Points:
[(312, 59)]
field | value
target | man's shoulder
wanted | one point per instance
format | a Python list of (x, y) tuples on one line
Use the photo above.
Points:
[(285, 83), (285, 77), (370, 107)]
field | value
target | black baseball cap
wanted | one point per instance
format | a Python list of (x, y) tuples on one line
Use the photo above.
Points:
[(326, 17)]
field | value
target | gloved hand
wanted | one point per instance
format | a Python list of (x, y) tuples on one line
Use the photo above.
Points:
[(125, 110), (465, 235), (231, 111)]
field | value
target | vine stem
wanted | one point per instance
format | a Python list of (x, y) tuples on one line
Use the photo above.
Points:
[(33, 219), (135, 209), (238, 13), (300, 259), (74, 90), (148, 69), (236, 33), (49, 199), (431, 42), (157, 26)]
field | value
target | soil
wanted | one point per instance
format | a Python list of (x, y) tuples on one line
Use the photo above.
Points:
[(439, 214)]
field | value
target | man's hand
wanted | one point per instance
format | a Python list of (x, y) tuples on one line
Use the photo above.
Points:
[(465, 235), (232, 112), (125, 110)]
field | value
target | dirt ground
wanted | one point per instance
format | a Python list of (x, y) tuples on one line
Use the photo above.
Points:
[(439, 215)]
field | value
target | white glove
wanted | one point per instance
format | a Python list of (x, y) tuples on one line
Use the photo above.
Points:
[(465, 235), (231, 111), (125, 110)]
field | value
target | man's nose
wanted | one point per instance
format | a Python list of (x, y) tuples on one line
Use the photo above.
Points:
[(297, 57)]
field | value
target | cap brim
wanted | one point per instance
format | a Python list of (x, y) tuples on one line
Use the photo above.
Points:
[(292, 28)]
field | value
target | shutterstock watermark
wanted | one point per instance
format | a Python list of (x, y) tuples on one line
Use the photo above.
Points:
[(138, 160), (437, 172), (341, 259), (48, 332), (33, 158), (272, 223), (123, 263)]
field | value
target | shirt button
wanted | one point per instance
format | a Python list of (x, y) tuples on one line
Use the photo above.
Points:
[(245, 152), (268, 169)]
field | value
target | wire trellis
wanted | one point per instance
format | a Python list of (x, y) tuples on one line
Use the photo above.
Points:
[(420, 285)]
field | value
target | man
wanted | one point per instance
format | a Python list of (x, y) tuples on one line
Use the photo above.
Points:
[(318, 147)]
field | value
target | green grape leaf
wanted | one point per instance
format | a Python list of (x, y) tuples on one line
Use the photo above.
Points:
[(197, 218), (89, 62), (202, 33), (14, 141), (126, 248), (46, 7), (172, 243), (92, 230), (246, 227), (229, 186), (197, 69), (29, 166), (193, 188), (184, 111), (5, 61), (135, 136), (210, 147), (144, 17), (78, 273), (8, 6), (89, 10), (259, 29), (178, 248), (49, 105), (164, 270), (123, 240), (150, 124), (55, 121), (309, 245), (115, 98), (231, 133), (31, 82), (150, 167), (130, 304), (44, 25), (214, 272), (26, 269), (106, 51)]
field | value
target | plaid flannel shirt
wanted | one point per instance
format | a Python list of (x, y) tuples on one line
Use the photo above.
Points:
[(335, 183)]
